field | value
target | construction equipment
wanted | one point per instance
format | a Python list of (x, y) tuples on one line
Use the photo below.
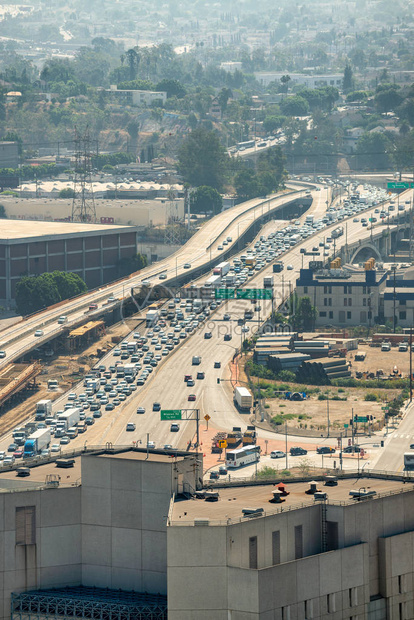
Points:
[(249, 436)]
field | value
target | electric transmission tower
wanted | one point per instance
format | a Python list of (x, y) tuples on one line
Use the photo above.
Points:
[(83, 205)]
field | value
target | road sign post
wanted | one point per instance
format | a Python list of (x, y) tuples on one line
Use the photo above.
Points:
[(254, 293), (207, 418), (400, 185)]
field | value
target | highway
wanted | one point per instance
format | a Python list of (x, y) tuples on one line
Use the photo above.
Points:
[(201, 248), (166, 384)]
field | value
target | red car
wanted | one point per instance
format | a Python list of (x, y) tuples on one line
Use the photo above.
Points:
[(18, 454), (191, 397)]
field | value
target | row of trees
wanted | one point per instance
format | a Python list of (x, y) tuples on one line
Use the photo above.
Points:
[(34, 293)]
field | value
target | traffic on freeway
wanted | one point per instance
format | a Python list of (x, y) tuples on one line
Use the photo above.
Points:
[(174, 362)]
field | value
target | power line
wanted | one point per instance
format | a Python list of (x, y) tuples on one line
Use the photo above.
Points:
[(83, 205)]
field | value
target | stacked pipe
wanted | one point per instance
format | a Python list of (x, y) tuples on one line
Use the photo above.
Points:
[(322, 371)]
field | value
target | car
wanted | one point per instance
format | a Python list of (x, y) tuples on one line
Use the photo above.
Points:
[(9, 460), (109, 407), (200, 375), (156, 406), (168, 446), (12, 447), (214, 475), (130, 426), (44, 452), (162, 276), (289, 267), (351, 449), (245, 329), (192, 397), (89, 421), (187, 265), (325, 450), (38, 333), (151, 445), (296, 451), (18, 454), (174, 428), (2, 354), (65, 440), (217, 364), (208, 335), (227, 337), (220, 247), (277, 454), (222, 470)]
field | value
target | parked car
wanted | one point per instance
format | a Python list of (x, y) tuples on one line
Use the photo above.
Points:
[(277, 454)]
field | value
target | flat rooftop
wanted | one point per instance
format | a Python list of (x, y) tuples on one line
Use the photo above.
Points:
[(232, 500), (21, 230)]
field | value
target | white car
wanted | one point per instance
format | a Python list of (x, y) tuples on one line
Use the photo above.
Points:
[(290, 267), (38, 333)]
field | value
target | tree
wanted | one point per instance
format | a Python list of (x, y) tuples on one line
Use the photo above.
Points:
[(273, 122), (304, 314), (348, 82), (387, 98), (294, 106), (173, 88), (285, 79), (133, 59), (67, 192), (246, 184), (3, 214), (202, 160), (373, 151), (127, 265), (36, 292), (206, 199)]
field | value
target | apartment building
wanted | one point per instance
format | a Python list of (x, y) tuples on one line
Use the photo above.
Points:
[(344, 297)]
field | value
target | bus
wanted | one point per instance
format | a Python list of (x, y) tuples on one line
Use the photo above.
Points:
[(242, 456)]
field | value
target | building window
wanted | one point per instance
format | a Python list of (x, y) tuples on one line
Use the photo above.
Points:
[(253, 552), (345, 301), (364, 290), (402, 315), (305, 290), (330, 314), (325, 302), (350, 290), (330, 290), (308, 610), (349, 316), (362, 316), (276, 547), (369, 290), (349, 301), (345, 289), (403, 302), (325, 289), (286, 613), (364, 301), (26, 525), (298, 542), (332, 535), (322, 315), (330, 301), (330, 600), (401, 584)]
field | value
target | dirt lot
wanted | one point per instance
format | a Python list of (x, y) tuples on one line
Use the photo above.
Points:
[(384, 360)]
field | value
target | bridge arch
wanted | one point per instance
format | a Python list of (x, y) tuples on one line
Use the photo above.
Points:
[(364, 252)]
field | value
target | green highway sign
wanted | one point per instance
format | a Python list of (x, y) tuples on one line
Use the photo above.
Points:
[(400, 185), (385, 408), (361, 418), (170, 414), (224, 293), (346, 425), (254, 293)]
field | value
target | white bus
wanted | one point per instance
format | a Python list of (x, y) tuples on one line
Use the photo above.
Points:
[(242, 456)]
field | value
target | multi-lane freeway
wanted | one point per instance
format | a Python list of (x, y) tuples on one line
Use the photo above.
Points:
[(166, 383)]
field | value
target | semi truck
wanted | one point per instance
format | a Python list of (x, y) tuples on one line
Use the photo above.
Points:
[(268, 282), (278, 266), (243, 399), (70, 417), (130, 370), (152, 317), (35, 443), (337, 232), (231, 279), (221, 269), (43, 410), (213, 281)]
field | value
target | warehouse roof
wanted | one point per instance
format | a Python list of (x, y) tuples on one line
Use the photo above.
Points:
[(21, 230)]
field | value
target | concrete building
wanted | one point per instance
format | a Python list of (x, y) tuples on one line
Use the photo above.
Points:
[(133, 523), (90, 250), (231, 66), (344, 297), (9, 155), (136, 97), (398, 297), (301, 79)]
